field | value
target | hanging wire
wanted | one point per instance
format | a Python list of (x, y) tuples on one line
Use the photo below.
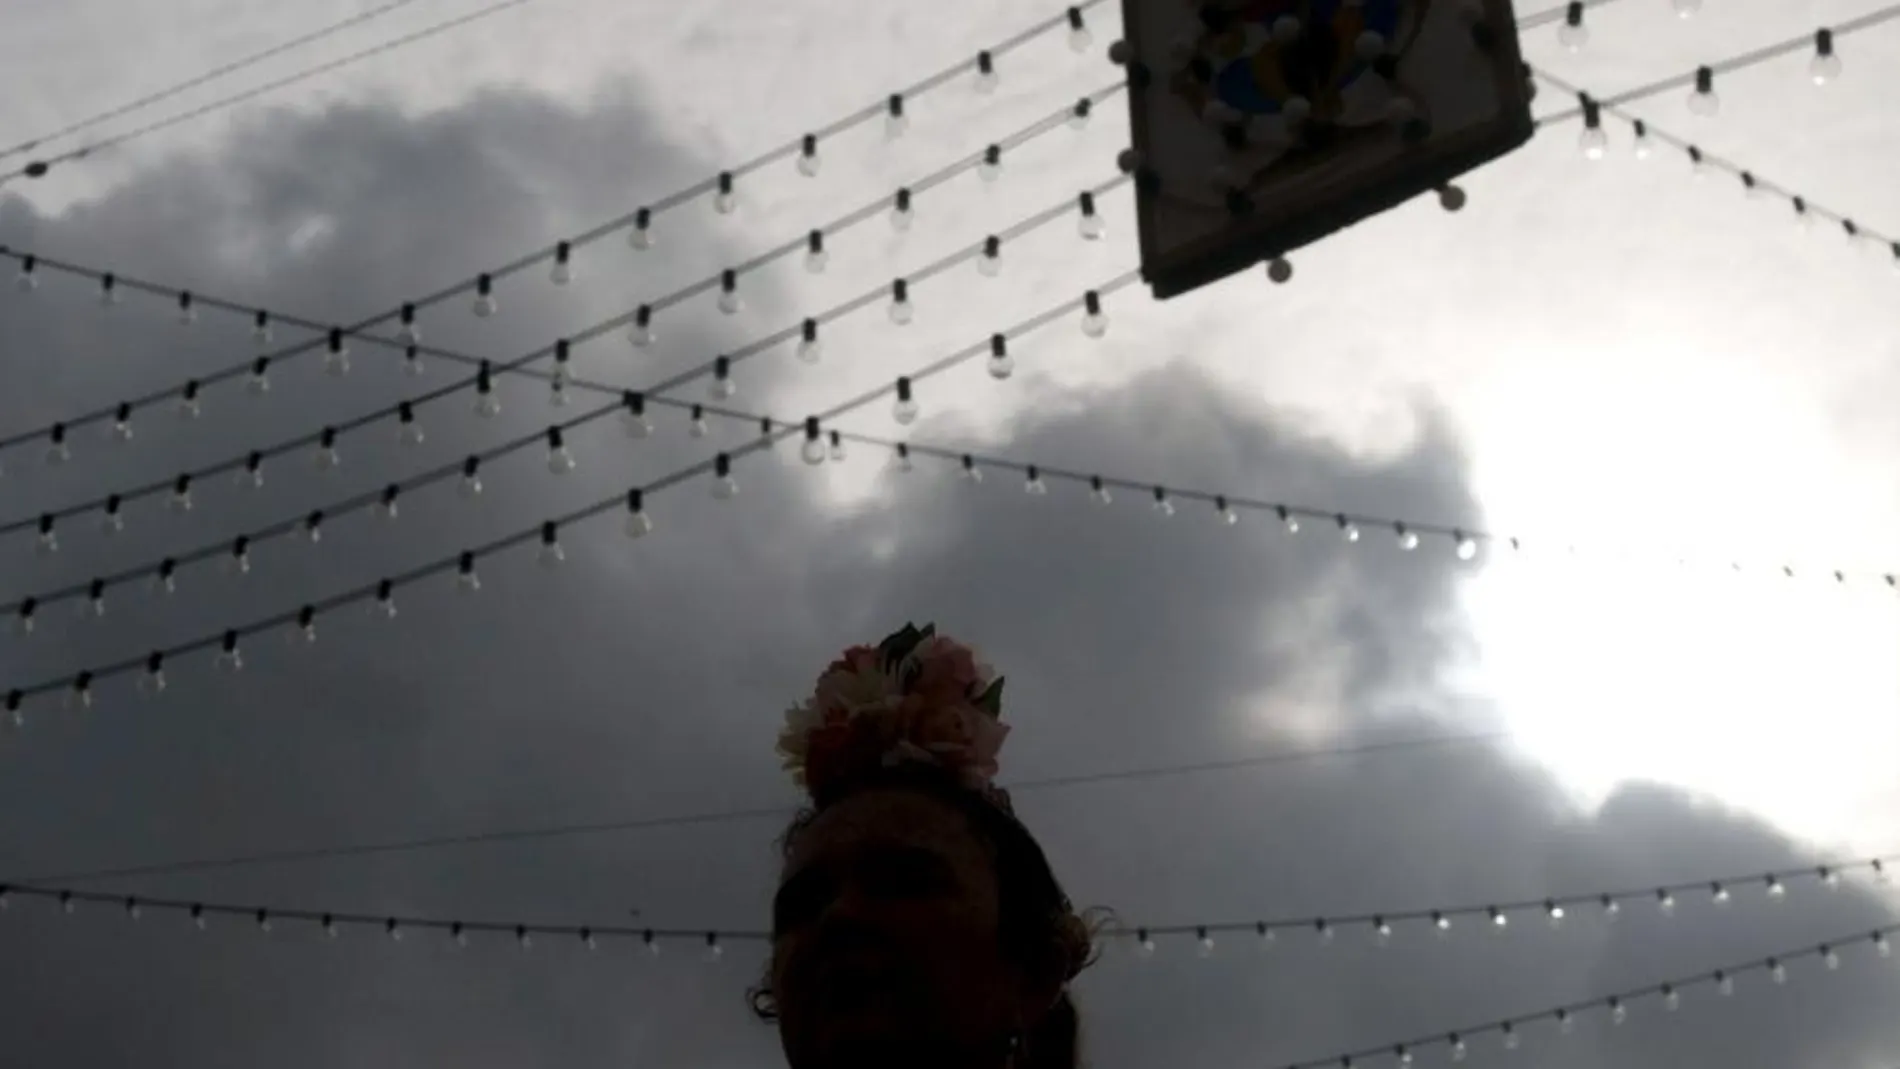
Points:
[(381, 593), (558, 831), (205, 77), (638, 217), (39, 168), (640, 316)]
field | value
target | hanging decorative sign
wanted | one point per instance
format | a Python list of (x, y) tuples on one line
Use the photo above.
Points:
[(1264, 125)]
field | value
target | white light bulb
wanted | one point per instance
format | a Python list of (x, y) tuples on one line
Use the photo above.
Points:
[(469, 582), (1672, 1000), (638, 525), (561, 461), (328, 459), (1725, 984), (810, 350), (1824, 68), (725, 202), (1706, 104), (551, 555), (485, 305), (640, 237), (1035, 487), (1467, 549), (1092, 226), (1644, 146), (1511, 1038), (816, 260), (809, 163), (1206, 946), (698, 428), (905, 411), (1145, 947), (723, 388), (902, 312), (258, 384), (562, 273), (640, 334), (1573, 36), (895, 124), (636, 424), (902, 461), (409, 334), (1079, 116), (1408, 540), (730, 302), (488, 406), (190, 407), (725, 488), (1831, 959), (1594, 143), (990, 169), (336, 363), (813, 451), (901, 218), (986, 80), (1094, 325), (1350, 532), (1619, 1013), (26, 281), (837, 451), (471, 486), (1778, 972), (1080, 39), (1001, 366)]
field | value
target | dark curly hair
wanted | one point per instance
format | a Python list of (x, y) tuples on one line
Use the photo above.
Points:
[(1038, 926)]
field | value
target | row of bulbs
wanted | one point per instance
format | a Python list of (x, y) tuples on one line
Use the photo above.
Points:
[(327, 455), (1823, 67), (641, 333)]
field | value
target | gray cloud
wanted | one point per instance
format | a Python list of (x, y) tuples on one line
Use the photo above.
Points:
[(646, 679)]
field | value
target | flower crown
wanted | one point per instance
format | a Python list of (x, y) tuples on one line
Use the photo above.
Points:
[(915, 697)]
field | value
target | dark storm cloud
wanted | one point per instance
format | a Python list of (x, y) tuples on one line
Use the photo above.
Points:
[(647, 679)]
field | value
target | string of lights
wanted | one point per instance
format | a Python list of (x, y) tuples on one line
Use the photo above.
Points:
[(38, 168), (1383, 926), (395, 926), (380, 595), (1645, 136), (638, 225), (1616, 1007), (204, 78), (487, 403), (1704, 100), (1017, 788)]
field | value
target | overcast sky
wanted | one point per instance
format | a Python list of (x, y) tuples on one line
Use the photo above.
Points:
[(1613, 355)]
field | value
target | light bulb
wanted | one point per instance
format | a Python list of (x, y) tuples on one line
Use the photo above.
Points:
[(895, 121), (638, 525), (905, 411), (485, 305), (900, 459), (328, 459), (467, 580), (990, 168), (986, 78), (1511, 1039), (636, 424), (1776, 889), (722, 388), (1381, 932), (1593, 142), (1703, 100), (809, 161), (1573, 35), (729, 301), (1001, 364), (1458, 1050), (488, 406), (813, 451), (471, 486), (970, 473), (1666, 902), (189, 404), (1079, 36), (561, 461), (725, 488), (1079, 114), (26, 281), (1672, 999), (1033, 484), (725, 198), (901, 214), (1094, 323), (336, 362), (1686, 8), (1348, 530), (1825, 67), (1618, 1012), (1719, 894), (1408, 540), (641, 332), (551, 555), (108, 292), (1165, 508), (810, 349), (258, 384), (1090, 224), (1289, 521), (696, 425), (562, 273), (1554, 913), (409, 333), (1205, 948), (1467, 548), (1725, 984), (1778, 972), (1144, 945), (989, 264), (187, 312), (816, 258), (901, 310), (1643, 145), (640, 237)]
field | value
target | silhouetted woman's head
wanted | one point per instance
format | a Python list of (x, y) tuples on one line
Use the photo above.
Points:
[(917, 922)]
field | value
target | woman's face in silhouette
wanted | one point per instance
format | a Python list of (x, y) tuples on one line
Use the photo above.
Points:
[(886, 947)]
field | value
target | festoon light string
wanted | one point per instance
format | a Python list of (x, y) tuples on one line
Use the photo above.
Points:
[(631, 405), (79, 687), (1704, 97), (1594, 143), (637, 224), (640, 321), (333, 922), (1510, 1032), (1383, 926)]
